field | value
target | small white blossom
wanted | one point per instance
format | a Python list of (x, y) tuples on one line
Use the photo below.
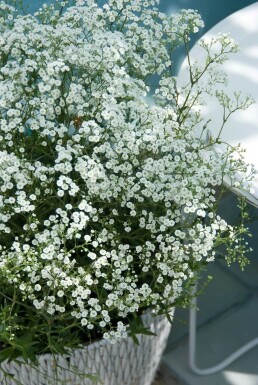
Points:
[(107, 203)]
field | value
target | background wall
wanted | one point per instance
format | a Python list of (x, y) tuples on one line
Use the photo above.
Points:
[(212, 11)]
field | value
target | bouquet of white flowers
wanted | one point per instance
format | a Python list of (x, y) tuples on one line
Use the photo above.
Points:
[(108, 203)]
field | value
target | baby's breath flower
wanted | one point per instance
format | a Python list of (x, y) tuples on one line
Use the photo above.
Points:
[(107, 203)]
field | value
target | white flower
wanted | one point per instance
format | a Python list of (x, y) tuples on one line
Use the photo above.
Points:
[(107, 203)]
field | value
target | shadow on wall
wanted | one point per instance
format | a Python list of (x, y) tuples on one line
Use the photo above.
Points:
[(212, 12)]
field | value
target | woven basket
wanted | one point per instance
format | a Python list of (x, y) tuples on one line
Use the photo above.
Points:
[(123, 363)]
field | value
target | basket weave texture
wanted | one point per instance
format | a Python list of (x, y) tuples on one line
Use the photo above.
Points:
[(123, 363)]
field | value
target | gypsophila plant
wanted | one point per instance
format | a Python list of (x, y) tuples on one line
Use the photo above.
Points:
[(108, 204)]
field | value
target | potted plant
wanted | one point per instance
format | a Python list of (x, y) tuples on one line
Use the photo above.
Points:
[(108, 203)]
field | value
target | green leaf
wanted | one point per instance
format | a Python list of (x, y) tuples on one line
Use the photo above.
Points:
[(134, 338), (28, 354), (137, 327), (9, 354)]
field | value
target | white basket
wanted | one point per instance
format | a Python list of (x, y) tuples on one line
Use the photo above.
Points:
[(123, 363)]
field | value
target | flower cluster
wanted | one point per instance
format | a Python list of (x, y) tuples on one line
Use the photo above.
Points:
[(107, 203)]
